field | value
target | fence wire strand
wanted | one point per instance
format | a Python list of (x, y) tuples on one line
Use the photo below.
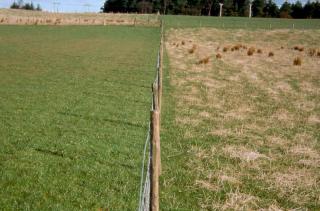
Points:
[(144, 199)]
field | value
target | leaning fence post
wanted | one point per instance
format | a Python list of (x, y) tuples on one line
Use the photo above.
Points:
[(155, 141)]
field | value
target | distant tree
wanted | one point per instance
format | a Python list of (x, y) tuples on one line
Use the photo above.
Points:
[(28, 6), (144, 7), (271, 9), (38, 7), (297, 10), (316, 11), (257, 8), (260, 8), (308, 9), (115, 6), (14, 5), (285, 10)]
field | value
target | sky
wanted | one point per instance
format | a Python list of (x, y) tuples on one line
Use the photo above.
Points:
[(62, 5), (78, 5)]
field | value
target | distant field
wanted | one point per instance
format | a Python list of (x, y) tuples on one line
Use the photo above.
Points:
[(239, 131), (25, 17), (74, 107), (179, 21)]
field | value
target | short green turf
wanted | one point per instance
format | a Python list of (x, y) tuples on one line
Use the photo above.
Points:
[(74, 108)]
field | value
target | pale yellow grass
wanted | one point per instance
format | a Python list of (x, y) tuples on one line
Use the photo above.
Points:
[(264, 111)]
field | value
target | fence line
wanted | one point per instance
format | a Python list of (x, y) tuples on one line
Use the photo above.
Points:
[(149, 189)]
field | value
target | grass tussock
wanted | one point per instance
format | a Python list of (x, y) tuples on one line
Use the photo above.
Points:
[(298, 48), (225, 49), (270, 54), (259, 51), (218, 56), (318, 54), (237, 47), (312, 52), (251, 51), (183, 42), (193, 49), (204, 60), (297, 61)]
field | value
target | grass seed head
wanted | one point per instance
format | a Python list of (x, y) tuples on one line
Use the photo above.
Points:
[(297, 61)]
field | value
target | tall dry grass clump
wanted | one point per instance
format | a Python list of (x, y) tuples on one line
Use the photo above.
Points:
[(218, 56), (251, 51), (297, 61), (204, 60), (298, 48), (312, 52), (193, 49)]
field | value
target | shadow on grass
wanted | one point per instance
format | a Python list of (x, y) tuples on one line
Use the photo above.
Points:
[(113, 121)]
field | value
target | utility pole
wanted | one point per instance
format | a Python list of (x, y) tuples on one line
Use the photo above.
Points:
[(87, 6), (56, 6), (220, 14)]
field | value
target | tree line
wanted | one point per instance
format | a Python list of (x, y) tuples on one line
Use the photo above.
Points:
[(26, 6), (260, 8)]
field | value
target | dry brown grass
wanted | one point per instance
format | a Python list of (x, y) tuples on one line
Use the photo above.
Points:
[(26, 17), (251, 51), (218, 56), (318, 54), (254, 108), (225, 49), (259, 51), (271, 54), (183, 42), (297, 61)]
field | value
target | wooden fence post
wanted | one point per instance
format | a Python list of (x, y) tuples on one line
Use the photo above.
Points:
[(155, 160)]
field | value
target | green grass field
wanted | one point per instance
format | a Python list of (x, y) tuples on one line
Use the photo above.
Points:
[(75, 103), (74, 107), (179, 21)]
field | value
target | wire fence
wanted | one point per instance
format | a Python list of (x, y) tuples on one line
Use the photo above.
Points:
[(149, 187)]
